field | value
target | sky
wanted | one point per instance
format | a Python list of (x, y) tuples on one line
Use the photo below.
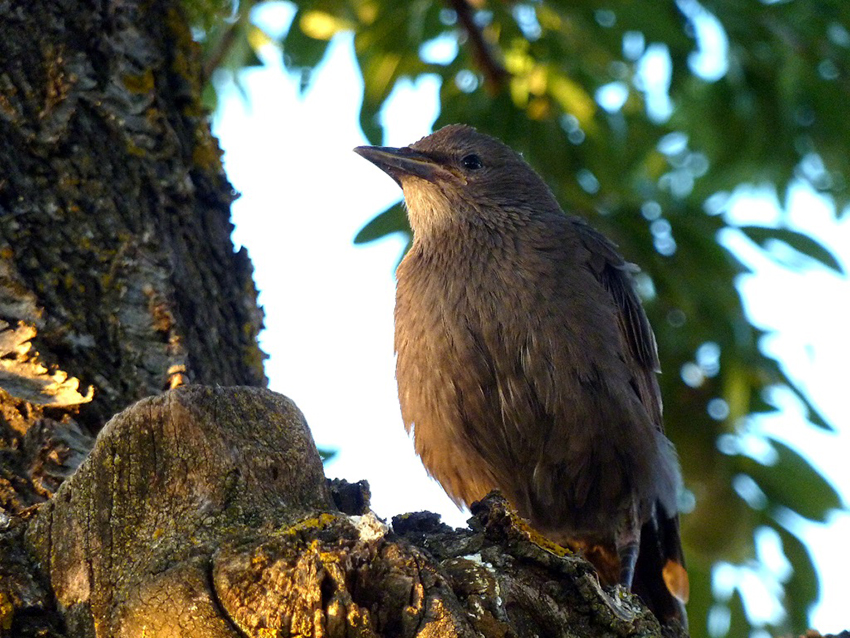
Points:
[(329, 304)]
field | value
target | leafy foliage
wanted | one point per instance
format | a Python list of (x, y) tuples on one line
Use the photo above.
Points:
[(617, 106)]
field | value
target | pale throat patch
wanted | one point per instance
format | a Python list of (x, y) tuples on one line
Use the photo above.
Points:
[(428, 209)]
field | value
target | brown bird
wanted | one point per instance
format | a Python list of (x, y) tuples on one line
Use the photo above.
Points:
[(527, 364)]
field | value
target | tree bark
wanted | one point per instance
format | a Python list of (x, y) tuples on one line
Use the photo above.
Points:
[(118, 277), (204, 513)]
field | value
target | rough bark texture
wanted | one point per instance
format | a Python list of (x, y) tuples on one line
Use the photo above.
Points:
[(204, 512), (129, 542), (117, 274)]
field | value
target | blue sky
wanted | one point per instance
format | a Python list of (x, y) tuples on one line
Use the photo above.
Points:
[(329, 304)]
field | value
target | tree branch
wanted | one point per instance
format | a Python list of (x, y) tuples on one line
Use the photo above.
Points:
[(204, 513), (214, 59), (495, 74)]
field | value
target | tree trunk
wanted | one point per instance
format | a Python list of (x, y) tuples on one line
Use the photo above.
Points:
[(117, 273), (199, 512)]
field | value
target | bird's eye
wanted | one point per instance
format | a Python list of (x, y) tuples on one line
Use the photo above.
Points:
[(472, 162)]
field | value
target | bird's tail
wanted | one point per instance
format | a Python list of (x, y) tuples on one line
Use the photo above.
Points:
[(660, 578)]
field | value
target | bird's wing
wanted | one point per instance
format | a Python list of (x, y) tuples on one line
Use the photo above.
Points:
[(614, 273), (660, 577)]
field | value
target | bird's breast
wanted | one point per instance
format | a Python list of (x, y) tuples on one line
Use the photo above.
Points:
[(512, 378)]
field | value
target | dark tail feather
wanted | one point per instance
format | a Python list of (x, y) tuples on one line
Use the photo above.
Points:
[(660, 577)]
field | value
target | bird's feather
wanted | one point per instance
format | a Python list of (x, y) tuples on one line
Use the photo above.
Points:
[(525, 361)]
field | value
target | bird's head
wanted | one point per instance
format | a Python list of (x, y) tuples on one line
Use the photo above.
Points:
[(459, 174)]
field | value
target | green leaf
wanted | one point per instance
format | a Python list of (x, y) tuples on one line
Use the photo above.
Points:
[(738, 622), (327, 454), (813, 414), (803, 587), (392, 220), (793, 483), (300, 51), (810, 247), (209, 97)]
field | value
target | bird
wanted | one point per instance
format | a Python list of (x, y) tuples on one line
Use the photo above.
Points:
[(526, 364)]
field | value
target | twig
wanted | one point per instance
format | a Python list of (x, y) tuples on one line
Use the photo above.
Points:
[(494, 73), (221, 49)]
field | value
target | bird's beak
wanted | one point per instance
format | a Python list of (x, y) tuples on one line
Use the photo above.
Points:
[(403, 162)]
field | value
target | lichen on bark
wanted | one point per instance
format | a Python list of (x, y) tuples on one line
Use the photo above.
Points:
[(204, 512), (118, 277)]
